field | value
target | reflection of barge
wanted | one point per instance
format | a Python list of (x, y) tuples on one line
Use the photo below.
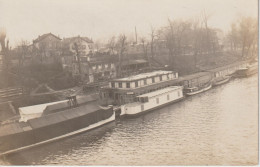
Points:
[(57, 121)]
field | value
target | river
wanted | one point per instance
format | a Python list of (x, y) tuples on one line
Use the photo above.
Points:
[(217, 127)]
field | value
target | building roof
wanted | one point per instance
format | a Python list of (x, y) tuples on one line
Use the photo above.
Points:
[(36, 108), (144, 75), (72, 39), (41, 37), (193, 76), (161, 91), (226, 66), (131, 62)]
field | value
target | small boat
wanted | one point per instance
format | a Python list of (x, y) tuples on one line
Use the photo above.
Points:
[(251, 69), (197, 89), (221, 80)]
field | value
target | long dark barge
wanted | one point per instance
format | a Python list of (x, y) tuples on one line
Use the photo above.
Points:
[(57, 121)]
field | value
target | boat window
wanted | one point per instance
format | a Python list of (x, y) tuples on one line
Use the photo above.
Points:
[(112, 84), (142, 107), (110, 94), (120, 84), (179, 94), (157, 100), (128, 85), (145, 81), (136, 83), (152, 79)]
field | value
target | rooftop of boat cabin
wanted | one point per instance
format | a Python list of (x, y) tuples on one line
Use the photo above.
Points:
[(193, 76), (160, 91), (144, 75), (225, 67)]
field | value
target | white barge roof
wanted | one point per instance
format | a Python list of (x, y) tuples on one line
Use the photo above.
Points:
[(144, 75), (161, 91), (37, 108)]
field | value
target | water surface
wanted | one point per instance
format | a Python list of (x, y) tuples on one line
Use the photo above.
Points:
[(217, 127)]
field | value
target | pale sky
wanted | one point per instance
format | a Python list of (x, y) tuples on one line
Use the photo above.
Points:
[(101, 19)]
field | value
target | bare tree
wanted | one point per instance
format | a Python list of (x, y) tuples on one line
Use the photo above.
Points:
[(5, 49), (42, 51), (152, 41), (121, 45), (248, 34), (23, 51), (145, 49), (78, 57), (112, 44)]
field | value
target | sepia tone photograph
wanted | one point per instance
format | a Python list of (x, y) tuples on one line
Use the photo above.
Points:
[(129, 83)]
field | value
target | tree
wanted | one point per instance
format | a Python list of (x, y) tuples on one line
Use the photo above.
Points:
[(145, 49), (248, 34), (121, 45), (22, 52), (152, 41), (42, 51), (111, 44), (5, 49)]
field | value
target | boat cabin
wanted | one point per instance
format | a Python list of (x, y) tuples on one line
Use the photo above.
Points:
[(124, 90), (195, 80), (228, 70)]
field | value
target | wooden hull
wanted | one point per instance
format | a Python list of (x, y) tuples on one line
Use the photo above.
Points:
[(200, 91), (152, 109), (75, 122), (155, 100), (225, 80), (247, 72)]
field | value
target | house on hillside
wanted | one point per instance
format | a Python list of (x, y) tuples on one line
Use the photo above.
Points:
[(47, 48), (77, 65)]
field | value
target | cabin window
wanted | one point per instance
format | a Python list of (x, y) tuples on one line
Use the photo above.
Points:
[(145, 82), (142, 107), (128, 85), (152, 79), (120, 84), (136, 84), (179, 94), (112, 84), (110, 94), (157, 100), (168, 97), (116, 96), (160, 78)]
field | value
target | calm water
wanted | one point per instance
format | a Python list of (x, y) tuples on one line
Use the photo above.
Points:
[(217, 127)]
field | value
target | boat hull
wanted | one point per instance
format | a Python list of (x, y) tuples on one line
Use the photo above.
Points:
[(225, 80), (150, 110), (199, 91), (251, 70), (154, 100), (29, 138)]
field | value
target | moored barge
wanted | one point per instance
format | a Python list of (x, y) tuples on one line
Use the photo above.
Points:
[(56, 121), (153, 100)]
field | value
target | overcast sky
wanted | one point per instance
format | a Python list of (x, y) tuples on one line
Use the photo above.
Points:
[(101, 19)]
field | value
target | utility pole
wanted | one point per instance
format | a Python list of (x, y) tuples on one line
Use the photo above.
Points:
[(135, 35)]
